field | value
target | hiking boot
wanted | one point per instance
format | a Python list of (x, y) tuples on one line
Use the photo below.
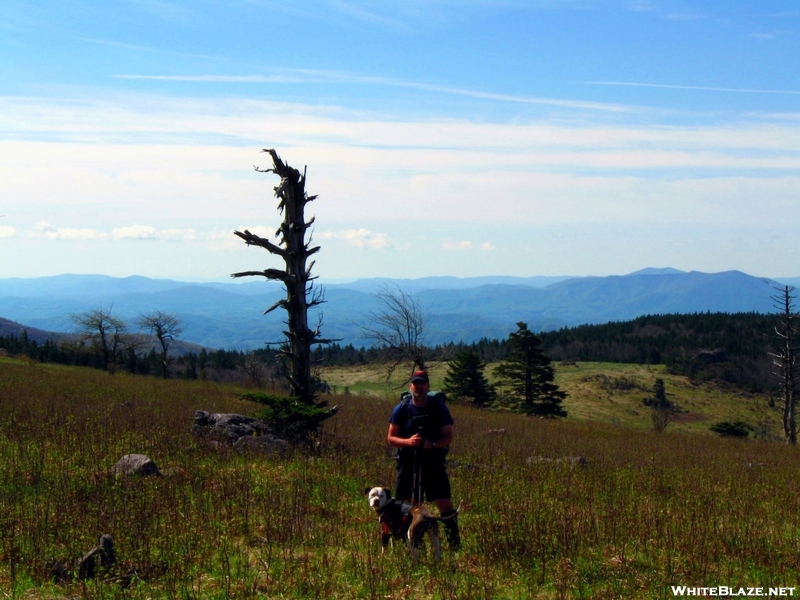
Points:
[(451, 531)]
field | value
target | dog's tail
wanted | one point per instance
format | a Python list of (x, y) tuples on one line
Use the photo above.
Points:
[(452, 514)]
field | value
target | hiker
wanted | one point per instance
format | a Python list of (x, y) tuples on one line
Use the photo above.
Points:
[(421, 429)]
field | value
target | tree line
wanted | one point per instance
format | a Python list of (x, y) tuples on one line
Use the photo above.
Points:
[(728, 347), (206, 364), (704, 346)]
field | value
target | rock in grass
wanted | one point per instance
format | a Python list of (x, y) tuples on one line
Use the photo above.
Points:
[(264, 444), (228, 426), (135, 464)]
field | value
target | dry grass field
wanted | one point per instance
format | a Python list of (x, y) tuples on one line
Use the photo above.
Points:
[(645, 512)]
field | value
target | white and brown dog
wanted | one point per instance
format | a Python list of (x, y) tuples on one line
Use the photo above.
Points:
[(404, 520)]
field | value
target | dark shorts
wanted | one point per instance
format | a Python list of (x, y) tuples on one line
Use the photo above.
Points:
[(435, 483)]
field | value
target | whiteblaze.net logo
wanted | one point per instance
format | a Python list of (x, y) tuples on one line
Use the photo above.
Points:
[(731, 592)]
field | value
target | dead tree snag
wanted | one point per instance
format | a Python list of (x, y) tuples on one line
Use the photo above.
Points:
[(784, 357), (295, 251)]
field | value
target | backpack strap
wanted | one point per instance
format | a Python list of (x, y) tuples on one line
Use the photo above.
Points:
[(405, 399)]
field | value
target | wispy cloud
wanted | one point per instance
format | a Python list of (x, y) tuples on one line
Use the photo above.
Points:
[(361, 12), (316, 76), (140, 48), (463, 245), (143, 232), (684, 16), (277, 78), (7, 232), (692, 87), (46, 230), (466, 245), (167, 11), (117, 44), (135, 232), (361, 238)]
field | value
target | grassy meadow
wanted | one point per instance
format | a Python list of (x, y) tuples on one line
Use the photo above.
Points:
[(644, 513), (602, 392)]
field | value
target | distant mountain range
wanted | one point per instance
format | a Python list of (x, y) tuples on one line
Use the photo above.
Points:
[(230, 315)]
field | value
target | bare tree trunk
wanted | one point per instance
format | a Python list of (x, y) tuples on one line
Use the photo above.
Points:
[(296, 277), (784, 358)]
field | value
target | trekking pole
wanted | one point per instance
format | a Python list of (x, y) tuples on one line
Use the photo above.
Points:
[(419, 485), (417, 491)]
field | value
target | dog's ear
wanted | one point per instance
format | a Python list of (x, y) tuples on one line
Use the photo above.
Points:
[(366, 491)]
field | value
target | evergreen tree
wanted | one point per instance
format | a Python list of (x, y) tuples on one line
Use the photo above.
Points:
[(663, 409), (528, 375), (465, 378)]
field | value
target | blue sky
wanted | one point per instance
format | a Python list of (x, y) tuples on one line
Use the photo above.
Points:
[(442, 137)]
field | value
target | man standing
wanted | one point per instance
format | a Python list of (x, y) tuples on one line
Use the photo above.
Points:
[(422, 429)]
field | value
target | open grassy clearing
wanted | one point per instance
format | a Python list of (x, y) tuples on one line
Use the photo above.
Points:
[(603, 392), (646, 512)]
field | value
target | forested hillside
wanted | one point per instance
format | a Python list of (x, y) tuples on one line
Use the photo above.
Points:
[(726, 347)]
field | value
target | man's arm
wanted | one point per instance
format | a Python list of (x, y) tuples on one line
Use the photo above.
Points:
[(394, 439), (444, 441)]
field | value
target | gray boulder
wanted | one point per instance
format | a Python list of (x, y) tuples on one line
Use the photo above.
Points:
[(135, 464), (228, 426)]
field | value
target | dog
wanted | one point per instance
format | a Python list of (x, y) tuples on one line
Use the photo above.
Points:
[(404, 520)]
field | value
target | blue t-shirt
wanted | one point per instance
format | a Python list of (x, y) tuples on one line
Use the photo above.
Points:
[(428, 420)]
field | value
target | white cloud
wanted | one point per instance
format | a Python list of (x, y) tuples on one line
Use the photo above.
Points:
[(45, 229), (361, 238), (135, 232), (179, 235), (319, 76), (262, 231), (183, 167), (7, 232), (143, 232), (464, 245), (697, 87)]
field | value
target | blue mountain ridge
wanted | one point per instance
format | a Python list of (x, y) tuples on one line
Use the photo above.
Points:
[(230, 315)]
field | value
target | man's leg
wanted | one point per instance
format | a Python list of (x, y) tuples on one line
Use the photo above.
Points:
[(403, 483), (445, 506), (440, 490)]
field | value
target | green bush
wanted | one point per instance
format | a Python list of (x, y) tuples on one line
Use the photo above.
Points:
[(288, 417), (738, 429)]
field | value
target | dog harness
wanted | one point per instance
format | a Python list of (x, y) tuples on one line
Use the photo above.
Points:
[(395, 518)]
